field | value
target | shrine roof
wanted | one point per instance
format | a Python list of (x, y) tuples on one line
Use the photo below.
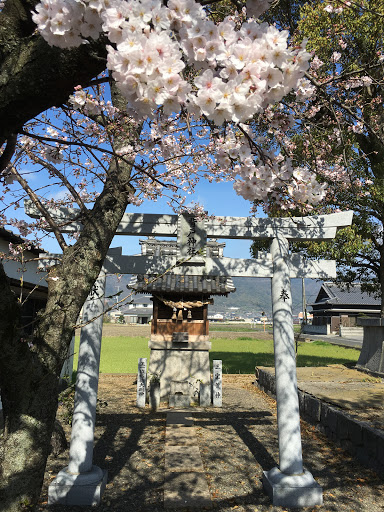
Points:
[(182, 284)]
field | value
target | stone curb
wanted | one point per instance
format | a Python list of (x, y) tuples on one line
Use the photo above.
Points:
[(357, 437)]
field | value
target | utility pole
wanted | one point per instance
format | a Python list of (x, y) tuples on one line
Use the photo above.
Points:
[(304, 301)]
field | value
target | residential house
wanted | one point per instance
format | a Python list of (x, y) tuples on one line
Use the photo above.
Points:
[(337, 308)]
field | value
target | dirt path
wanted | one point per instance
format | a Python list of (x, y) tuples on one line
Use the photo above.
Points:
[(237, 443)]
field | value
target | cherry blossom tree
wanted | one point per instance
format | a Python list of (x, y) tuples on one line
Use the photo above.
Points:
[(149, 97), (333, 125)]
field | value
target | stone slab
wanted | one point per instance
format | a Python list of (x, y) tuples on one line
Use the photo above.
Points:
[(181, 436), (183, 458), (179, 418), (217, 383), (141, 382), (179, 401), (205, 396), (74, 494), (186, 490)]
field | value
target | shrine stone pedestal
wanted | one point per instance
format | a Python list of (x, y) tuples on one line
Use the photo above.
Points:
[(372, 352), (182, 362)]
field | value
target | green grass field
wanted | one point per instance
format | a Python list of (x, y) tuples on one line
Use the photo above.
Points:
[(238, 328), (120, 354)]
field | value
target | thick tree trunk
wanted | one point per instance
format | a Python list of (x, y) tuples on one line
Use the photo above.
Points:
[(33, 75), (29, 374), (381, 280)]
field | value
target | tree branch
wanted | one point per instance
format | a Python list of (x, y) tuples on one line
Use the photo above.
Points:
[(44, 212), (8, 152)]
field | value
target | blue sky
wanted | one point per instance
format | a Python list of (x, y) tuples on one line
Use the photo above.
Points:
[(217, 198)]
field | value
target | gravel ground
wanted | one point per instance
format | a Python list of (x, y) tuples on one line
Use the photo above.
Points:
[(236, 442)]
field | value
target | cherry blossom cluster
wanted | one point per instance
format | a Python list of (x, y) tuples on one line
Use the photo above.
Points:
[(267, 175), (239, 70)]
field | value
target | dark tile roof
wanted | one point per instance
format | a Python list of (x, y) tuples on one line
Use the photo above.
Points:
[(183, 284), (9, 236), (139, 311), (330, 293)]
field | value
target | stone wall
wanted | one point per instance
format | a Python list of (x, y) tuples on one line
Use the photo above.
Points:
[(351, 331), (357, 437)]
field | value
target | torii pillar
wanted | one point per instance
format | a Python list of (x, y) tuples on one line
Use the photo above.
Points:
[(82, 483), (288, 485)]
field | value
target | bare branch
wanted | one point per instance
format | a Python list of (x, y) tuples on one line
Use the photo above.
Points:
[(44, 212)]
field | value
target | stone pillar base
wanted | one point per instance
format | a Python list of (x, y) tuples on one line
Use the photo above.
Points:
[(84, 490), (292, 490)]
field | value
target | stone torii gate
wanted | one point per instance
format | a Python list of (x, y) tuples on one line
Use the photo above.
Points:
[(289, 484)]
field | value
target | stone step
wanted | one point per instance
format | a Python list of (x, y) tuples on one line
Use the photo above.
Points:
[(181, 436), (185, 484), (183, 489), (183, 458), (179, 418)]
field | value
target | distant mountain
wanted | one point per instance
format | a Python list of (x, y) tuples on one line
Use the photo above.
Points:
[(252, 296)]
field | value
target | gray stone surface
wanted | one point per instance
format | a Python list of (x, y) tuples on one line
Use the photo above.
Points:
[(288, 416), (205, 395), (372, 353), (181, 436), (188, 490), (292, 491), (141, 382), (154, 395), (179, 418), (217, 383), (179, 401), (81, 490), (179, 365), (181, 387), (183, 458), (87, 380)]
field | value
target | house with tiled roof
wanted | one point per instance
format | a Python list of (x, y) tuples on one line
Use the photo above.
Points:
[(25, 279), (338, 307)]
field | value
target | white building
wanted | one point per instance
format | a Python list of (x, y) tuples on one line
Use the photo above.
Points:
[(140, 310)]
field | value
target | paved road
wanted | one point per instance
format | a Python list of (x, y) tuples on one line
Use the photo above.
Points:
[(353, 341)]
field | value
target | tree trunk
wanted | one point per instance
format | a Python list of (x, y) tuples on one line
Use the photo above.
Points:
[(33, 75), (29, 374), (381, 280)]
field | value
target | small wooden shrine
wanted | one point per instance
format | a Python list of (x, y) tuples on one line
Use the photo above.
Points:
[(179, 340)]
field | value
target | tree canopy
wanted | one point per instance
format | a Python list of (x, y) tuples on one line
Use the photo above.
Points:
[(337, 128)]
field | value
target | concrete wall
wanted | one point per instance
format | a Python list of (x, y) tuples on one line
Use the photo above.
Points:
[(351, 331), (357, 437), (316, 329)]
